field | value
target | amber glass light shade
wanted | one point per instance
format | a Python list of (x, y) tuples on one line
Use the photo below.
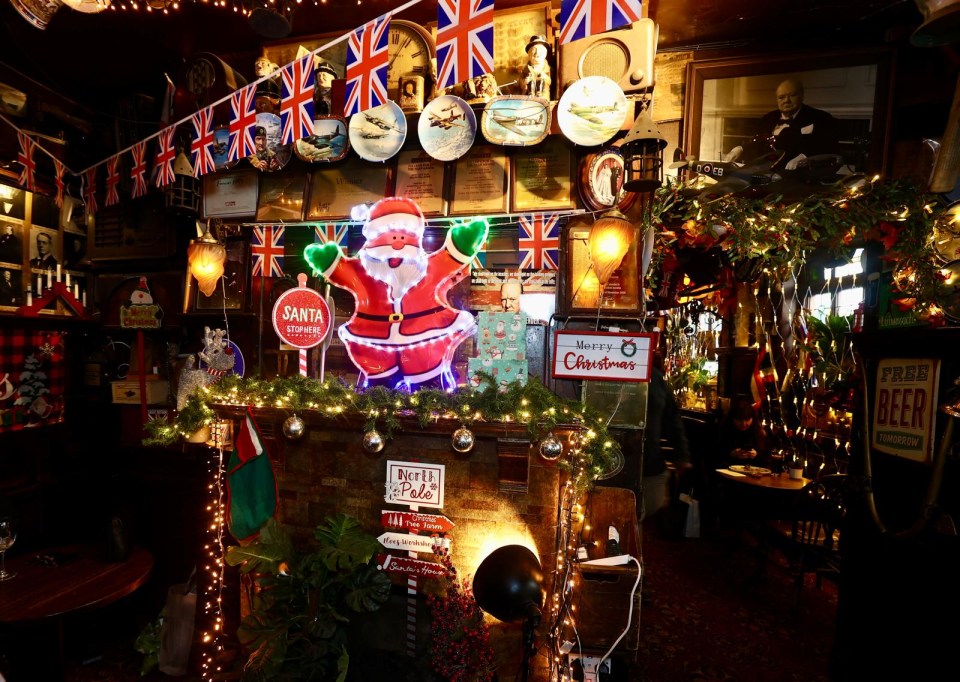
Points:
[(610, 239), (205, 258)]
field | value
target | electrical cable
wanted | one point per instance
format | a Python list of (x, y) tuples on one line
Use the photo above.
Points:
[(629, 614)]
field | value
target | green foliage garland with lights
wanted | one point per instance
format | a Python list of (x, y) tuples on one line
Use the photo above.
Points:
[(532, 404)]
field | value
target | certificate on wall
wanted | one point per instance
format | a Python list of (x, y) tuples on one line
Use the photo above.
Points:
[(337, 189), (480, 182), (542, 177), (230, 195), (420, 177)]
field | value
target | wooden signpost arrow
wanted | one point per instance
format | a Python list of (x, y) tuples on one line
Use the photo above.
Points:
[(414, 522), (412, 543), (410, 567)]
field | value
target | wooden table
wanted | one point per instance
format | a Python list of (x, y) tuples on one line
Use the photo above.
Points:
[(768, 481)]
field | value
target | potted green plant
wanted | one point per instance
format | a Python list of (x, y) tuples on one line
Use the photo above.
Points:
[(297, 626)]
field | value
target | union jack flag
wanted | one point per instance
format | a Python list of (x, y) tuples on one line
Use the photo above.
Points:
[(113, 181), (138, 171), (25, 159), (296, 101), (59, 170), (267, 250), (201, 148), (331, 233), (166, 153), (582, 18), (464, 40), (243, 123), (540, 241), (90, 190), (367, 66)]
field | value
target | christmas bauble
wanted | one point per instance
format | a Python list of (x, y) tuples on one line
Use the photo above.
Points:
[(462, 440), (294, 427), (372, 441), (551, 448)]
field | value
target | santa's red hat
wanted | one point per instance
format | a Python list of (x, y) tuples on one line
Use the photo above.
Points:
[(394, 214)]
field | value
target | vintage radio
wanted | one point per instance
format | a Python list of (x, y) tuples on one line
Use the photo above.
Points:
[(625, 56)]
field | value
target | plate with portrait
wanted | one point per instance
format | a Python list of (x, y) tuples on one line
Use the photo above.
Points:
[(329, 141), (591, 111), (377, 134), (515, 120), (600, 181), (447, 128), (270, 155)]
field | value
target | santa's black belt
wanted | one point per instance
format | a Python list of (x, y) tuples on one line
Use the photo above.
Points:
[(399, 317)]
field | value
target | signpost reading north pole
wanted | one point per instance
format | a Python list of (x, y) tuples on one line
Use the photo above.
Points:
[(302, 319)]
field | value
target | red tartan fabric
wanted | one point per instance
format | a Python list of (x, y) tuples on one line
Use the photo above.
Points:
[(31, 378)]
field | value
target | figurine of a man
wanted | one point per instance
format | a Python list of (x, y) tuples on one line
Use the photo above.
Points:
[(323, 85), (535, 77)]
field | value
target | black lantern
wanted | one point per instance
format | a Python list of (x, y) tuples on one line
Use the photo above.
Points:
[(183, 194), (643, 154)]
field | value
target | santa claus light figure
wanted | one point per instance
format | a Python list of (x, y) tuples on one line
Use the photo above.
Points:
[(404, 331)]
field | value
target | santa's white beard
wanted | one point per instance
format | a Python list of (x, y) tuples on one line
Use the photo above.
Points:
[(400, 278)]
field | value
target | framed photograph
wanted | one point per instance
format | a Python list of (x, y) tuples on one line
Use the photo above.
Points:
[(580, 289), (12, 202), (230, 195), (421, 177), (281, 197), (334, 191), (235, 283), (44, 211), (44, 248), (72, 216), (11, 241), (810, 104), (481, 181), (512, 29), (11, 286), (282, 52), (74, 249), (543, 177)]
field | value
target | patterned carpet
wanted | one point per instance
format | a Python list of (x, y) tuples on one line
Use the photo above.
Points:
[(707, 618)]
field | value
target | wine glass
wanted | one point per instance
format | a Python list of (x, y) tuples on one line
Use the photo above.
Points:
[(8, 535)]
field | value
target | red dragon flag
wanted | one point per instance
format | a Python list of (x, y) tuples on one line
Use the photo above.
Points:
[(166, 153), (138, 170), (243, 123), (367, 60), (59, 170), (201, 148), (90, 190), (28, 167), (296, 102), (464, 40), (582, 18), (113, 181)]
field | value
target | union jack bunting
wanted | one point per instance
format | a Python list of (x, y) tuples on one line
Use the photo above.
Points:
[(25, 159), (582, 18), (331, 233), (367, 66), (296, 101), (113, 181), (267, 250), (243, 122), (138, 170), (90, 190), (539, 241), (201, 148), (59, 169), (166, 153), (464, 40)]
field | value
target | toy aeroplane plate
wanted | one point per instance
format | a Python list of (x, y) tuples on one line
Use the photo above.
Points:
[(592, 110), (515, 120), (447, 128), (377, 134), (329, 141)]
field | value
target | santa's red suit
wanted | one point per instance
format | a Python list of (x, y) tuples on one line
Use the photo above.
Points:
[(403, 331)]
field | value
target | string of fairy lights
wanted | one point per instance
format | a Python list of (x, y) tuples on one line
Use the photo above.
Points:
[(243, 7), (212, 582)]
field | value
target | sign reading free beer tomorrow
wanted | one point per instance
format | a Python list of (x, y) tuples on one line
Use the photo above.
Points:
[(904, 407), (602, 356), (301, 316)]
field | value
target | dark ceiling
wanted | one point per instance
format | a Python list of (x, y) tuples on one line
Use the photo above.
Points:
[(99, 60)]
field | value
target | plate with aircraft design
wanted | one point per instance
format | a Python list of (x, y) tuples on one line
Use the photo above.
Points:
[(591, 111), (447, 128)]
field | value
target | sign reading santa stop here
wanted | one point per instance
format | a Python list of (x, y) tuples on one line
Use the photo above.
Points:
[(904, 407), (602, 356)]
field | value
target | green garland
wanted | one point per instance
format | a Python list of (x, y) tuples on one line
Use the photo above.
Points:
[(531, 404)]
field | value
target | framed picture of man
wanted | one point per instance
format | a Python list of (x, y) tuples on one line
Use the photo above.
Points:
[(43, 249), (74, 249), (11, 286), (788, 109), (11, 242)]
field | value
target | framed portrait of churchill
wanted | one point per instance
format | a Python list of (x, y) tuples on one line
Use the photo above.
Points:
[(799, 111)]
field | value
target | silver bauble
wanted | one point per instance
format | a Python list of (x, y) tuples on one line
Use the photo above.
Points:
[(294, 427), (372, 441), (462, 440), (551, 448)]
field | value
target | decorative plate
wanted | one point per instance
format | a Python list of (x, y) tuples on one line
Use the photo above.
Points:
[(377, 134), (515, 120), (601, 181), (592, 110), (329, 141), (749, 470), (271, 156), (447, 128), (946, 233), (221, 147)]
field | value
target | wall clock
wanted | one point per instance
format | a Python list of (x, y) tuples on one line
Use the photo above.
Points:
[(412, 53)]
